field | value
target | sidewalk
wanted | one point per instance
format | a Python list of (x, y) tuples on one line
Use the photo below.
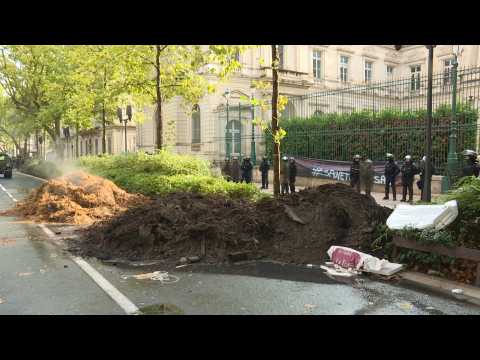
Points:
[(377, 196)]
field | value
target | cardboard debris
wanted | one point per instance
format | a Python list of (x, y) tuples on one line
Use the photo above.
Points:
[(423, 216), (346, 260)]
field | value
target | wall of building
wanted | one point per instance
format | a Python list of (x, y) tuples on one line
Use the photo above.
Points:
[(296, 79)]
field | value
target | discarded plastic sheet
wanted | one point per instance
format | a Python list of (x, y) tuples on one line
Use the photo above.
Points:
[(25, 274), (405, 306), (339, 272), (423, 216), (352, 259), (457, 291), (163, 276)]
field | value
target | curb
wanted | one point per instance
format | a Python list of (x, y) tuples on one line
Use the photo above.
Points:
[(470, 293)]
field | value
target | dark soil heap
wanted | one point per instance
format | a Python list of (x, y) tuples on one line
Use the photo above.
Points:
[(176, 225), (76, 198)]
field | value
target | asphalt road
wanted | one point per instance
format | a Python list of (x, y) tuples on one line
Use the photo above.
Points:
[(36, 277)]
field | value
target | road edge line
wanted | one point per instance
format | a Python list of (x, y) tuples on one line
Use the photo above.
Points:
[(8, 193), (120, 299), (28, 175)]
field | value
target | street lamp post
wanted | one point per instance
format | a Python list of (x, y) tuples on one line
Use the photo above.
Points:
[(253, 150), (427, 193), (452, 160), (226, 95), (125, 120)]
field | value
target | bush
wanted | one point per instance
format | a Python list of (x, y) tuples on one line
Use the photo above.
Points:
[(337, 136), (40, 168), (163, 163), (165, 173)]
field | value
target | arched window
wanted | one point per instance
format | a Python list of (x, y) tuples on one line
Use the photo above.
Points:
[(196, 137)]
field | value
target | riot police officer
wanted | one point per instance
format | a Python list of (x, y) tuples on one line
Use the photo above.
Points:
[(409, 170), (471, 168), (355, 173), (367, 174), (264, 168), (391, 172)]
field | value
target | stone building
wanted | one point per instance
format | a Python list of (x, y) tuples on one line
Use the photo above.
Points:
[(304, 69)]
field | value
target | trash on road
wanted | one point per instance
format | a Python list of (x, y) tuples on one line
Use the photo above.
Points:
[(457, 291), (405, 306), (2, 301), (7, 242), (25, 274), (310, 306), (422, 217), (354, 262), (163, 276)]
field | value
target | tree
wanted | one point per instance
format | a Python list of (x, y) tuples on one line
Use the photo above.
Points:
[(275, 127), (161, 72), (34, 78)]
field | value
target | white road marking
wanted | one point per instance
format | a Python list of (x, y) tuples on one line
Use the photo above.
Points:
[(128, 306), (6, 192)]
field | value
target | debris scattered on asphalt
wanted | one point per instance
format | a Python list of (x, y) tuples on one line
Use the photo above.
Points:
[(434, 273), (181, 266), (65, 266), (2, 301), (351, 259), (183, 260), (25, 274), (163, 276), (7, 242), (457, 291), (405, 306)]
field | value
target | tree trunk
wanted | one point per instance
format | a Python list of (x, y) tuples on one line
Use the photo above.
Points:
[(77, 154), (57, 139), (276, 145), (37, 155), (25, 144), (159, 119), (104, 116), (104, 130)]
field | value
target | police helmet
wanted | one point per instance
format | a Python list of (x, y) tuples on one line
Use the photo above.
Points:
[(284, 158), (389, 156), (408, 158)]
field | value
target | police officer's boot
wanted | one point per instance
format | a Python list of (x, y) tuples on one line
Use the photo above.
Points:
[(394, 192), (404, 194), (386, 192)]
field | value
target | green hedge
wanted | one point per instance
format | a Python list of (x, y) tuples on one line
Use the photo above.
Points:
[(338, 136), (165, 172)]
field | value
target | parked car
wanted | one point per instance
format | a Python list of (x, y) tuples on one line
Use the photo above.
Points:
[(6, 166)]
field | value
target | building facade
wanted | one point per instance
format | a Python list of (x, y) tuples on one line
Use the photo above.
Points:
[(220, 126)]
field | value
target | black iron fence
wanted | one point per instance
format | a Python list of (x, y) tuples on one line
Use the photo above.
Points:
[(381, 117)]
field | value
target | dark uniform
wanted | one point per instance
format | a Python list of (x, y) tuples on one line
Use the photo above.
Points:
[(391, 172), (292, 174), (421, 182), (284, 176), (264, 168), (227, 170), (355, 174), (235, 170), (247, 171), (471, 168), (367, 174), (409, 170)]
